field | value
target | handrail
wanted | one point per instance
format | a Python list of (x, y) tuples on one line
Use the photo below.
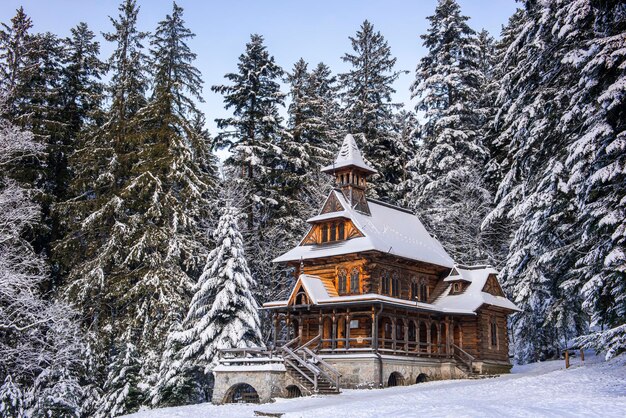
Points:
[(301, 372), (469, 362), (331, 369)]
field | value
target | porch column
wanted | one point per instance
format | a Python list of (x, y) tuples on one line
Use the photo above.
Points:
[(429, 349), (406, 335), (448, 346), (320, 324), (275, 329), (393, 334), (347, 345), (374, 341), (334, 333)]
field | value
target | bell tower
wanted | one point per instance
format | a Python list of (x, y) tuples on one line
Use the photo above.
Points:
[(351, 174)]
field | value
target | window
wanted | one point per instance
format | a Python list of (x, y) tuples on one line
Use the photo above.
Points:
[(324, 233), (385, 282), (341, 231), (354, 281), (494, 334), (333, 232), (342, 280), (411, 331), (423, 294), (395, 286), (414, 289), (354, 323), (457, 287)]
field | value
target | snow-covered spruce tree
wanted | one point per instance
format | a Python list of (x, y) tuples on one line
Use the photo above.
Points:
[(122, 383), (40, 343), (253, 133), (95, 210), (558, 116), (142, 243), (222, 314), (451, 154), (366, 91), (81, 88), (596, 122)]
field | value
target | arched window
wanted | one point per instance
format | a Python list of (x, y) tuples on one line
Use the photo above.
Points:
[(395, 285), (412, 333), (325, 233), (385, 285), (333, 232), (341, 231), (423, 296), (494, 333), (354, 281), (414, 289), (342, 279)]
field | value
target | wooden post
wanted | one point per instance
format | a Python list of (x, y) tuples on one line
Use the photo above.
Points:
[(406, 335), (347, 345), (275, 329), (333, 336), (393, 334), (447, 325), (582, 355), (374, 341), (567, 359), (429, 348), (320, 326)]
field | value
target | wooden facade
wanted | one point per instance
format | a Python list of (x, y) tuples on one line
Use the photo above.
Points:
[(377, 300)]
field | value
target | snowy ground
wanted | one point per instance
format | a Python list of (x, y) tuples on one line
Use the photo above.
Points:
[(595, 389)]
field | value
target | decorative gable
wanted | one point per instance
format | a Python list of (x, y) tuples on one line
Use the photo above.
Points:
[(492, 286), (332, 205)]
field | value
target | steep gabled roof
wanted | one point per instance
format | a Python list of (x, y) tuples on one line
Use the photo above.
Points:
[(388, 229), (474, 296), (349, 156)]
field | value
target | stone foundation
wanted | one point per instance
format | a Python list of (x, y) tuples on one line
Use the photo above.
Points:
[(368, 370)]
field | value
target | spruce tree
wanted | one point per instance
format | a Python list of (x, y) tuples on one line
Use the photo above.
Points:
[(366, 91), (451, 154), (253, 133), (222, 314)]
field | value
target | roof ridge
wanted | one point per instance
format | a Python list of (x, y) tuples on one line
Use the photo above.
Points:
[(390, 205)]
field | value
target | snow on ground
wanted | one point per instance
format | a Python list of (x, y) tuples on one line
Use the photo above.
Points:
[(595, 389)]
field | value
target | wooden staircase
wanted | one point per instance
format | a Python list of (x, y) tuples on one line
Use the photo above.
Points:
[(312, 373), (464, 361)]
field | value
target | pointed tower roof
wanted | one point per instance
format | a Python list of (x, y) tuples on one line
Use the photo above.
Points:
[(349, 156)]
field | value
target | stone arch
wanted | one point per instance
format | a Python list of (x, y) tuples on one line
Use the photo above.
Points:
[(293, 391), (421, 378), (395, 379), (241, 393)]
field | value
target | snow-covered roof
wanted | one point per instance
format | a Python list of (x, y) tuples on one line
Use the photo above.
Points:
[(473, 297), (465, 303), (388, 229), (318, 295), (349, 155)]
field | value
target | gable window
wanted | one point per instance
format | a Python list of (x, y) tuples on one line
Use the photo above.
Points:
[(324, 233), (395, 285), (494, 334), (341, 231), (354, 280), (333, 232), (342, 279), (457, 287)]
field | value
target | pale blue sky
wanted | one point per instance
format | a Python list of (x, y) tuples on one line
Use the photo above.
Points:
[(315, 30)]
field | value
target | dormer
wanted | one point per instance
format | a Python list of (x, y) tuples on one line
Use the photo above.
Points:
[(458, 283), (351, 173)]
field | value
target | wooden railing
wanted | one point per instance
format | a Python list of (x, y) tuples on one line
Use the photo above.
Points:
[(463, 357)]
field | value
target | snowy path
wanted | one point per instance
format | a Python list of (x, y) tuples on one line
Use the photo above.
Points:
[(596, 389)]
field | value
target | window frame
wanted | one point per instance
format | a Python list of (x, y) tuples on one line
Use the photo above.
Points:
[(354, 289), (342, 285)]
